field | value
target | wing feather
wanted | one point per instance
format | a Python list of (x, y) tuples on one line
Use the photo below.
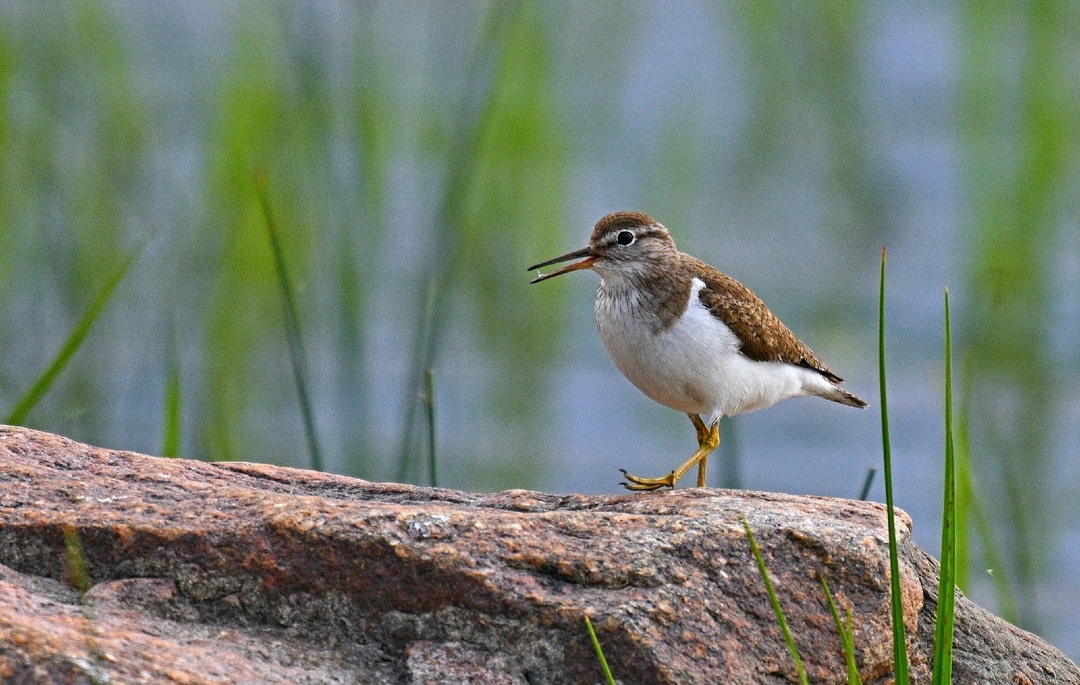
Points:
[(765, 338)]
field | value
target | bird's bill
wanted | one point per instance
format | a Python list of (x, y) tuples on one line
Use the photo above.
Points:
[(587, 253)]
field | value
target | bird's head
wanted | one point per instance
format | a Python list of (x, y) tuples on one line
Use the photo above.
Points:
[(622, 243)]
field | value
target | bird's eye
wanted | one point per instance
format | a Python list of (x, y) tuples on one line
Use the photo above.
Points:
[(624, 238)]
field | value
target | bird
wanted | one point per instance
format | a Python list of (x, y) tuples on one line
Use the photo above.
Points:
[(690, 337)]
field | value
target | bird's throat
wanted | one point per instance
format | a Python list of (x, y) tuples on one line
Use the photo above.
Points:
[(656, 297)]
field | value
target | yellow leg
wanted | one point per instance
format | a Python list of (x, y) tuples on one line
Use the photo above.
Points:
[(708, 440), (704, 436)]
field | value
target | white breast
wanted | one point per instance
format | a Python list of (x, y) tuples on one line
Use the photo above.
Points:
[(695, 365)]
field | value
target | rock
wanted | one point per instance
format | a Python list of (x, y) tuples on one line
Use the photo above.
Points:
[(195, 572)]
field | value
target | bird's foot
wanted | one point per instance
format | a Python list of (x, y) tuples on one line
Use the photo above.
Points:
[(638, 484), (708, 440)]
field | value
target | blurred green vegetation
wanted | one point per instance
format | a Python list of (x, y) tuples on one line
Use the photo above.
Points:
[(73, 139), (502, 196), (1018, 125), (417, 157)]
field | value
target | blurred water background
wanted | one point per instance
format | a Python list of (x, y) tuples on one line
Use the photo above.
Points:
[(418, 156)]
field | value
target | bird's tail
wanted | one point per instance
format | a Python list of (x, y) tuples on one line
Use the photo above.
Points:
[(838, 394)]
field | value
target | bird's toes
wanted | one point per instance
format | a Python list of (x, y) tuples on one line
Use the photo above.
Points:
[(646, 484)]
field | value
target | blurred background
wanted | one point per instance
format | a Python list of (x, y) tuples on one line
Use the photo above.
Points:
[(160, 162)]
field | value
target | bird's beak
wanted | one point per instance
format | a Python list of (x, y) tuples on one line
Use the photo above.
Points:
[(586, 252)]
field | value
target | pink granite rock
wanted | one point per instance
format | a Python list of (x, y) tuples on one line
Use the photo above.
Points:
[(246, 573)]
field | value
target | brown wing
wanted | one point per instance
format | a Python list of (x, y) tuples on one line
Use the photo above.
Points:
[(765, 338)]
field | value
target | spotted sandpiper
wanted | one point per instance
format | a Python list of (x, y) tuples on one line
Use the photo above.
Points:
[(690, 337)]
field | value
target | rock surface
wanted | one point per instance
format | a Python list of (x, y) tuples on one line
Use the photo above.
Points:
[(119, 567)]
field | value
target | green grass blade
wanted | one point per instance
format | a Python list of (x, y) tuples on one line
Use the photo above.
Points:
[(599, 653), (865, 492), (970, 510), (965, 495), (408, 466), (25, 405), (429, 406), (991, 549), (171, 435), (292, 327), (847, 636), (779, 612), (943, 632), (900, 661), (171, 431), (76, 559), (78, 576), (730, 462), (473, 122)]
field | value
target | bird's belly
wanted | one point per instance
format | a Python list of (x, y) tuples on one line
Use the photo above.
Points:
[(695, 365)]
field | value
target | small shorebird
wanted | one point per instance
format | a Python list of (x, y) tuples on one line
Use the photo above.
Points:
[(690, 337)]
